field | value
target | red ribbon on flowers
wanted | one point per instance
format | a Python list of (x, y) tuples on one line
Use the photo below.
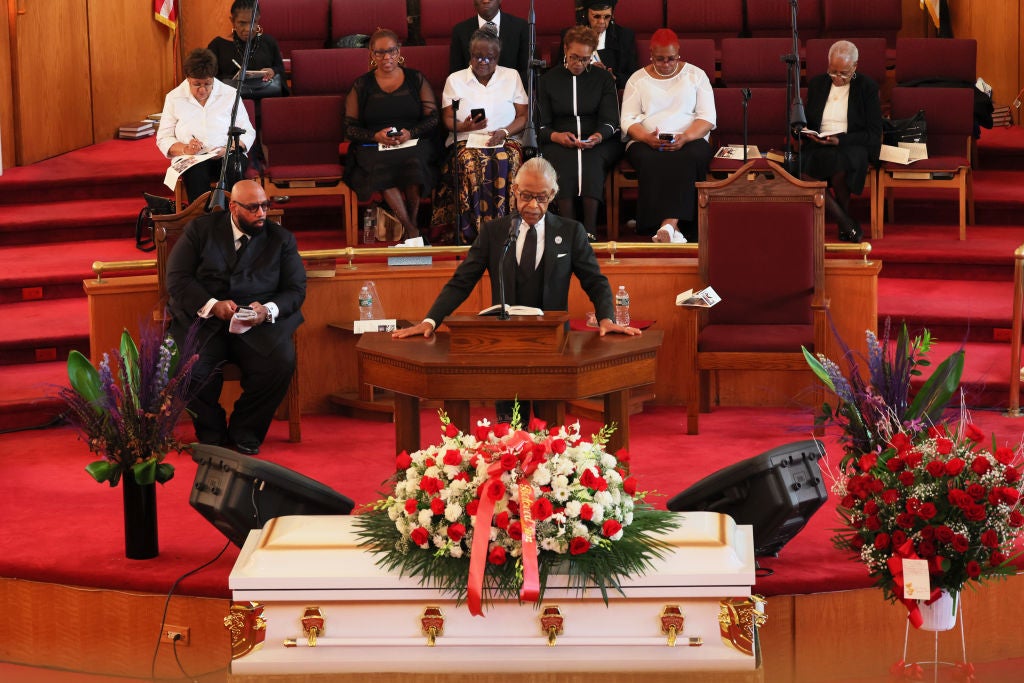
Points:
[(493, 490), (895, 562)]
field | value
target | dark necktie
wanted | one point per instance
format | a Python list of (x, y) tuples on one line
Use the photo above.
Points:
[(243, 242), (492, 27), (528, 258)]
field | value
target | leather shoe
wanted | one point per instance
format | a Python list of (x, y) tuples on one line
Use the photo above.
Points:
[(247, 449), (851, 232)]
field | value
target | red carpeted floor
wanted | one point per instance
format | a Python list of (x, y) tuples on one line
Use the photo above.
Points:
[(60, 526)]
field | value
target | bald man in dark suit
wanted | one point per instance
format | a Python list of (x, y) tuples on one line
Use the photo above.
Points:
[(242, 276)]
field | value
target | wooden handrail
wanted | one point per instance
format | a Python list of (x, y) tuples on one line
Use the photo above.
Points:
[(1018, 300), (350, 254)]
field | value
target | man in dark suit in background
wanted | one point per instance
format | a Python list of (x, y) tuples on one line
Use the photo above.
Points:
[(560, 250), (513, 32), (243, 276)]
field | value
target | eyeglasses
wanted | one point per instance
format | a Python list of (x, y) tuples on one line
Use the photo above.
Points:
[(483, 59), (527, 197), (253, 208), (577, 59), (201, 85), (390, 52), (844, 75), (667, 59)]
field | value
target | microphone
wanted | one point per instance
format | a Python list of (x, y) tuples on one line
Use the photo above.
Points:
[(513, 235), (745, 93)]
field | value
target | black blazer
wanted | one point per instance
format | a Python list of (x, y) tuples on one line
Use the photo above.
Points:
[(203, 265), (566, 253), (515, 44), (864, 112)]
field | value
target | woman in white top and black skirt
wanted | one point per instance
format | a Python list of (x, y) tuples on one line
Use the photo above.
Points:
[(668, 111)]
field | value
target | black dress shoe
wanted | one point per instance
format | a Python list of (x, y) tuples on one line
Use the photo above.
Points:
[(851, 232), (247, 449)]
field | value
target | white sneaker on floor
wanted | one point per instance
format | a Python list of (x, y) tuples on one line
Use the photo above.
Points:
[(668, 235)]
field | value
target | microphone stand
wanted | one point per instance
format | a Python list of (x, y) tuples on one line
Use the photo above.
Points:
[(513, 235), (797, 116), (745, 94), (530, 147), (218, 198), (455, 173)]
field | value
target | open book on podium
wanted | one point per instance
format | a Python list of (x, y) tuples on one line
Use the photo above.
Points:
[(541, 332)]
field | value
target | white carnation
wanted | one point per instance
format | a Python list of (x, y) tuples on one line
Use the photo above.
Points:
[(394, 512), (572, 508), (542, 476), (603, 498), (599, 513), (560, 481), (627, 519), (455, 550), (452, 512), (424, 517), (579, 529), (608, 461)]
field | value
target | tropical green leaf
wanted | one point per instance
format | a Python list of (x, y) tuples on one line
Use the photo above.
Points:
[(936, 393), (145, 471), (818, 369), (85, 379), (164, 472), (130, 358), (101, 470)]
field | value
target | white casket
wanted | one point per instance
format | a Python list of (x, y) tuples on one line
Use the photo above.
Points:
[(324, 606)]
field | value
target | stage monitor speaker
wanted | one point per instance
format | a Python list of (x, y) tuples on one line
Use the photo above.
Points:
[(775, 492), (237, 493)]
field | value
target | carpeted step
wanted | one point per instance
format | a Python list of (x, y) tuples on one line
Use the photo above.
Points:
[(932, 251), (30, 394), (953, 310), (70, 221), (35, 331)]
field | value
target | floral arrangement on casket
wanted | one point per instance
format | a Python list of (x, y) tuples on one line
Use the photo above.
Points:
[(911, 484), (494, 513)]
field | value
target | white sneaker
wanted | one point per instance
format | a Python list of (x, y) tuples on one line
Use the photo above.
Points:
[(668, 235)]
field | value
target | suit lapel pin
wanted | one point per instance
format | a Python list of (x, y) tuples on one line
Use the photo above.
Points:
[(558, 239)]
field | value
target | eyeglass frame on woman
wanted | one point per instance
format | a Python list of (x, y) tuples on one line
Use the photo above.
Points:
[(253, 208), (666, 59), (844, 75), (483, 59), (389, 52)]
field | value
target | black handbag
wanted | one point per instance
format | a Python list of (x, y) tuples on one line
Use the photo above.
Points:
[(914, 129), (255, 88), (155, 206)]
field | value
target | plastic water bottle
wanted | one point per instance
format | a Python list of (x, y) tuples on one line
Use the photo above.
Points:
[(369, 227), (622, 306), (365, 304)]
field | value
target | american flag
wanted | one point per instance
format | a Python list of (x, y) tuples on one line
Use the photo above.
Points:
[(166, 12)]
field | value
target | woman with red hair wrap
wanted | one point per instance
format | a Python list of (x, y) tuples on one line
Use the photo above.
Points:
[(668, 111)]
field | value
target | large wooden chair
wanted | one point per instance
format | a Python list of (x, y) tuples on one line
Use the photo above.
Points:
[(761, 246), (166, 231)]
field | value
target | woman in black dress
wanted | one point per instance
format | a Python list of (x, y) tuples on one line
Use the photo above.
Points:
[(579, 113), (390, 119), (264, 56)]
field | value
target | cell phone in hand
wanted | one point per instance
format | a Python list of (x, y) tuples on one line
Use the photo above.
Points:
[(667, 137), (393, 132), (477, 114)]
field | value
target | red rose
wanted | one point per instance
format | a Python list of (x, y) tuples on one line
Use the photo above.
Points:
[(960, 543), (890, 496), (906, 520), (586, 512), (579, 545), (996, 558), (928, 533), (870, 507), (913, 505), (429, 462), (959, 498), (936, 468), (980, 465), (882, 541), (943, 445), (907, 478), (872, 524), (901, 442), (501, 519), (403, 461), (481, 432), (629, 486), (895, 464), (1016, 519), (989, 538), (954, 466), (410, 505), (976, 491), (461, 476), (558, 445), (431, 485), (927, 511), (898, 538), (495, 489), (926, 549), (515, 530), (500, 431), (456, 532), (437, 506), (451, 430), (973, 569), (622, 455), (1011, 475), (975, 513), (944, 534), (541, 509), (610, 528), (847, 501), (1009, 496), (913, 459), (419, 536), (1003, 455), (497, 555), (973, 433), (452, 457), (587, 478), (509, 461), (867, 461), (472, 506), (857, 542)]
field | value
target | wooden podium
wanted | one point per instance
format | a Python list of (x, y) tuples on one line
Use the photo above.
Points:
[(533, 358)]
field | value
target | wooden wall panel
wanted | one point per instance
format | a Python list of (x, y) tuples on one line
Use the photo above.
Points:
[(132, 58), (200, 21), (992, 23), (6, 94)]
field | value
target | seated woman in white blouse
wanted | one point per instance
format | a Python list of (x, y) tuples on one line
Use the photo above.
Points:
[(494, 153), (196, 117), (668, 111)]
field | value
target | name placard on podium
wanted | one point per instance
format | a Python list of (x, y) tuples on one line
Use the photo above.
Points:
[(476, 334)]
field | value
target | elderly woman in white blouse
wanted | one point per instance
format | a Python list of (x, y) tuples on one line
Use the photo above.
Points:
[(196, 117), (668, 111)]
